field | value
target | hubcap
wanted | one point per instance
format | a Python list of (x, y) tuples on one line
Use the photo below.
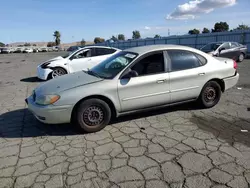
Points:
[(57, 72), (210, 94), (93, 116), (241, 57)]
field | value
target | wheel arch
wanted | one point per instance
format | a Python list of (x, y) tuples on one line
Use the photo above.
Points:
[(220, 82), (101, 97)]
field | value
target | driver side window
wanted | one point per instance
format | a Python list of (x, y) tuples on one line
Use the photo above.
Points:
[(83, 54), (152, 64)]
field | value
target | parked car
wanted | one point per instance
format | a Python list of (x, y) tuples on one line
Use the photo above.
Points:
[(73, 48), (133, 80), (19, 50), (7, 50), (232, 50), (78, 60), (35, 50), (27, 50), (44, 49)]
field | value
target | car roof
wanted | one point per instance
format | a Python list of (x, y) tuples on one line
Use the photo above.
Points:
[(150, 48), (108, 47)]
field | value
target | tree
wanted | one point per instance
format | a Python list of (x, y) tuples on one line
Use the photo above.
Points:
[(157, 36), (194, 32), (27, 44), (99, 40), (136, 34), (2, 44), (57, 36), (121, 37), (34, 44), (114, 38), (83, 42), (205, 30), (243, 27), (220, 27), (51, 44)]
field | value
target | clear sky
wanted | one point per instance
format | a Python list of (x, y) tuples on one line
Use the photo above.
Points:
[(36, 20)]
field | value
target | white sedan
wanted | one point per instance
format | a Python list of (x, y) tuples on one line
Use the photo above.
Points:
[(27, 50), (82, 59)]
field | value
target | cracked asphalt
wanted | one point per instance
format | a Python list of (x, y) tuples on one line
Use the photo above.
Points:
[(177, 147)]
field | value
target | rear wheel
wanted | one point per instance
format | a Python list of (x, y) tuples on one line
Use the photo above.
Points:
[(93, 115), (210, 94), (58, 72), (241, 57)]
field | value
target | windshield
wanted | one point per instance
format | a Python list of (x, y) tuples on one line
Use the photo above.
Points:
[(211, 47), (110, 67)]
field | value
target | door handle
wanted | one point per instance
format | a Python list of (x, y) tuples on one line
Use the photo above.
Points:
[(201, 74), (160, 81)]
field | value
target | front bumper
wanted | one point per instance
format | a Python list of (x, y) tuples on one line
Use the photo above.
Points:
[(50, 114), (231, 81), (43, 73)]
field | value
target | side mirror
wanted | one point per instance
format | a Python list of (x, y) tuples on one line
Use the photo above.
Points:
[(130, 74), (221, 49)]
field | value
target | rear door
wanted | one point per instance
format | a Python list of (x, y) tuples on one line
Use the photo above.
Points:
[(187, 74), (100, 54)]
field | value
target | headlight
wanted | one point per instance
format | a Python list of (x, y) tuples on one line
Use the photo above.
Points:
[(47, 99)]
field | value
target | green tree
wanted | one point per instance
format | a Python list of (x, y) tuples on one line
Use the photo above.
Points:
[(99, 40), (2, 44), (220, 27), (57, 36), (83, 42), (114, 38), (121, 37), (205, 30), (157, 36), (194, 32), (136, 35), (243, 27), (51, 44)]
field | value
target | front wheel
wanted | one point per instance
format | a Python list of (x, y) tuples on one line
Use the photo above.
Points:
[(93, 115), (58, 72), (210, 94)]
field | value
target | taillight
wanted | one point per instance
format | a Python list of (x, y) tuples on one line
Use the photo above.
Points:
[(235, 65)]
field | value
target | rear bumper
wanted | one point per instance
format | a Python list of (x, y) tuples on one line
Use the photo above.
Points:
[(231, 81), (50, 114)]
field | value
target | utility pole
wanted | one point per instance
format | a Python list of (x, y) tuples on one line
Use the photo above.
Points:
[(168, 32)]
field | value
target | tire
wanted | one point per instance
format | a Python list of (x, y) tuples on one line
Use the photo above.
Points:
[(241, 57), (58, 72), (89, 108), (210, 94)]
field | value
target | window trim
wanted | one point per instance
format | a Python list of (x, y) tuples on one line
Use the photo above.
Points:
[(170, 60), (125, 71)]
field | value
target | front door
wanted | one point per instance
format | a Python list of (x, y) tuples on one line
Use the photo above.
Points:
[(227, 51), (81, 60), (188, 75), (149, 88)]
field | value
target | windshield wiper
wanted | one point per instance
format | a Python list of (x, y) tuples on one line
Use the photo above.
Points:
[(93, 73)]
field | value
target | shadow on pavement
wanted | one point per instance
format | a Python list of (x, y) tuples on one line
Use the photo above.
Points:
[(21, 123), (31, 79)]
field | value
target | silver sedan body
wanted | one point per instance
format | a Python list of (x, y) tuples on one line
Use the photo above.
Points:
[(180, 78)]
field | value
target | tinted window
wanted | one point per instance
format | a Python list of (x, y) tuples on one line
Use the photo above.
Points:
[(234, 45), (152, 64), (103, 51), (211, 47), (82, 54), (182, 60), (202, 59)]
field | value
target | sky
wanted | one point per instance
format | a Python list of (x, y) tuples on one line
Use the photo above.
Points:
[(36, 20)]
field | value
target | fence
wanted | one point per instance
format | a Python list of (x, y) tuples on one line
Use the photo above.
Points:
[(195, 41)]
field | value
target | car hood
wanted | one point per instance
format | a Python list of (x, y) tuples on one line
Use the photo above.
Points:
[(66, 82)]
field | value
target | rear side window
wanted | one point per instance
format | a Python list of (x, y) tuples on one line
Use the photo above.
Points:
[(182, 60), (202, 59), (103, 51)]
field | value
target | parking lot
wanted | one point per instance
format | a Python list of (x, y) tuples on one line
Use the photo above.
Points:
[(175, 147)]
